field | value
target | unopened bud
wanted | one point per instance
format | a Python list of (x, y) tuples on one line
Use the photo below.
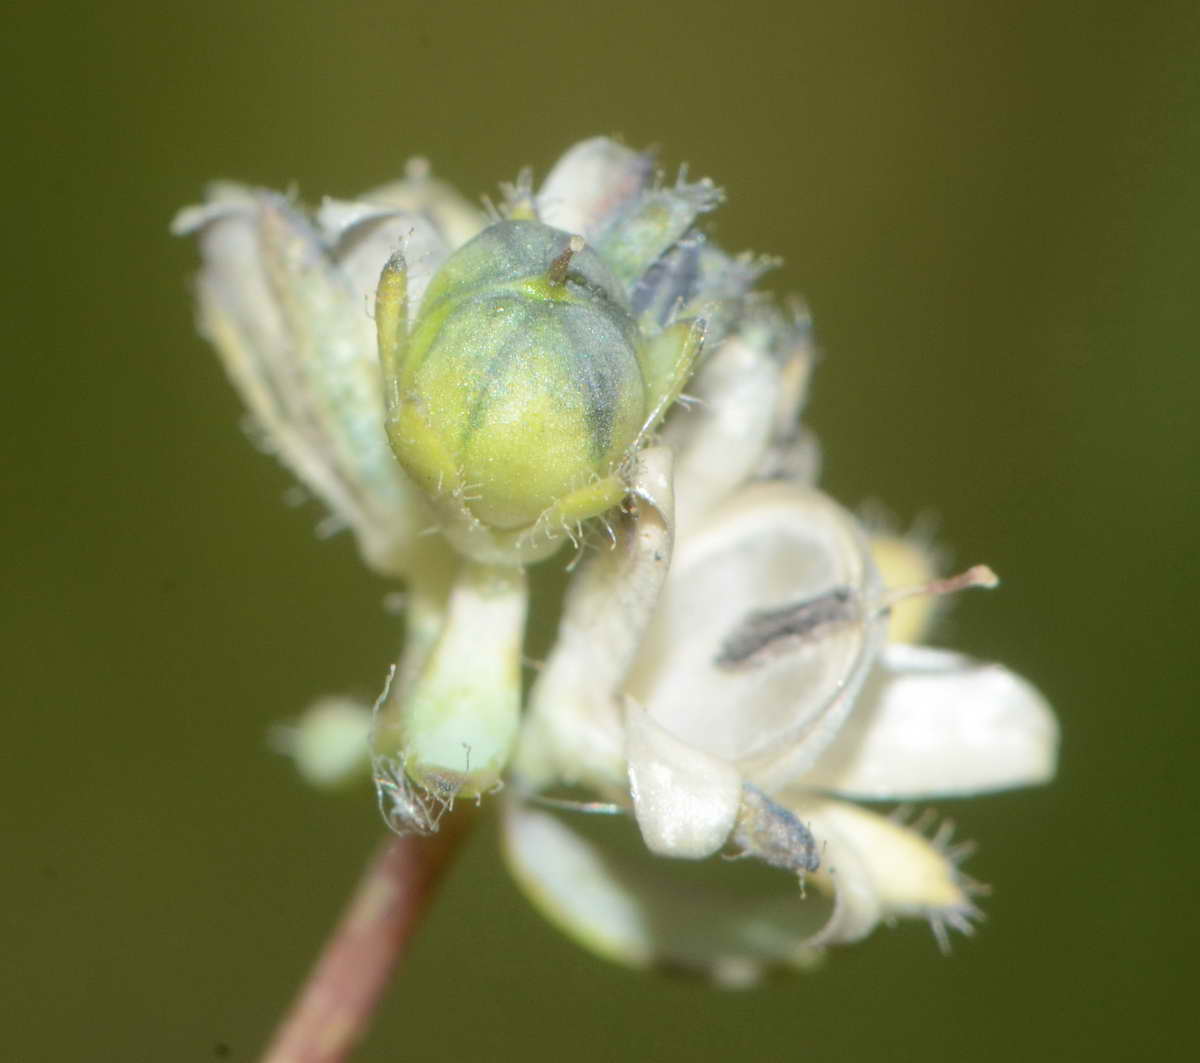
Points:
[(522, 387)]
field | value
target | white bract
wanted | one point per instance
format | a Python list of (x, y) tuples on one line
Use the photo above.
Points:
[(729, 672)]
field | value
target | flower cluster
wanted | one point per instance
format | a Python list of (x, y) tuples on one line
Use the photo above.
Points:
[(736, 666)]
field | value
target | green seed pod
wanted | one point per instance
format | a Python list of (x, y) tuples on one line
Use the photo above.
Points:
[(522, 386)]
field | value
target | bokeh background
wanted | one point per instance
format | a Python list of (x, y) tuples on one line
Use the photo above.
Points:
[(992, 211)]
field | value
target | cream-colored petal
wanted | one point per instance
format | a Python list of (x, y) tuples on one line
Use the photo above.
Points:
[(573, 731), (772, 547), (745, 422), (880, 869), (455, 218), (567, 878), (241, 317), (720, 440), (238, 313), (331, 351), (366, 236), (931, 723), (685, 801), (591, 184), (846, 877), (297, 344), (592, 877)]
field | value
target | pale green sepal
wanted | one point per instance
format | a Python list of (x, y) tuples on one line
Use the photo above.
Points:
[(667, 365), (324, 318), (426, 603), (452, 729), (591, 184), (292, 330), (653, 224)]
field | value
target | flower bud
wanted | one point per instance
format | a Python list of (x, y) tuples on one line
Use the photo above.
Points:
[(522, 387)]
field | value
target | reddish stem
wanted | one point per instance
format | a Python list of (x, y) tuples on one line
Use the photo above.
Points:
[(335, 1005)]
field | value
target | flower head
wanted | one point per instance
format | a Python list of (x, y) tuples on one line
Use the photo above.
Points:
[(728, 677)]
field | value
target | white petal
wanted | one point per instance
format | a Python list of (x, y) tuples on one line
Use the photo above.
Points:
[(367, 236), (773, 545), (880, 869), (721, 440), (336, 216), (456, 219), (573, 731), (590, 184), (592, 877), (932, 723), (241, 316), (298, 345), (685, 800), (233, 280), (338, 389), (569, 880)]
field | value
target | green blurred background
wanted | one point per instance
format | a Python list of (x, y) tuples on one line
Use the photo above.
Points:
[(992, 211)]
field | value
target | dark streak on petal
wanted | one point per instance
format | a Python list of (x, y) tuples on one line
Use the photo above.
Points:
[(767, 633)]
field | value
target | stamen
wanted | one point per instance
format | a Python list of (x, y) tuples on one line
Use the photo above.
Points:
[(975, 576), (765, 634)]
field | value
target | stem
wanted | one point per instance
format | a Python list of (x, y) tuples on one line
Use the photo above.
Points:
[(335, 1005)]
